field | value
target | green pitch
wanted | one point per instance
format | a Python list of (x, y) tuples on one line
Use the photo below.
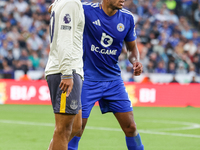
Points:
[(30, 127)]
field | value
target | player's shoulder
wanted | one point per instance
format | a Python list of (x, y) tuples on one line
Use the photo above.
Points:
[(90, 5), (66, 3), (126, 13)]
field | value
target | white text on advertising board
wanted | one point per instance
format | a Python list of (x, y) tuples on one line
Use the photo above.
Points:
[(26, 93), (147, 95)]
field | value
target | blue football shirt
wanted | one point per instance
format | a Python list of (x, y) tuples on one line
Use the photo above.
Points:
[(102, 41)]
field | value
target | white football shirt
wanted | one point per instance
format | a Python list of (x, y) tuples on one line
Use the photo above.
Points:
[(66, 34)]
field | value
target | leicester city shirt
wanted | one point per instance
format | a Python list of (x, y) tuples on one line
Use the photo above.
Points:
[(102, 41)]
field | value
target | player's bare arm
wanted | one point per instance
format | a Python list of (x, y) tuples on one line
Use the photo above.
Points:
[(134, 57)]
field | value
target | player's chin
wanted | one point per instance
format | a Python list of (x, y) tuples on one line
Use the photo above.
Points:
[(120, 7)]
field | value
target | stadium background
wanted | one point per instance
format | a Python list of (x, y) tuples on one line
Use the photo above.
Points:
[(169, 43)]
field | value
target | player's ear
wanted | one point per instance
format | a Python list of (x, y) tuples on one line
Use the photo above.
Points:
[(49, 9)]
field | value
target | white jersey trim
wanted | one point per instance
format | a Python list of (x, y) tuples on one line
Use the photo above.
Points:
[(91, 4), (127, 12)]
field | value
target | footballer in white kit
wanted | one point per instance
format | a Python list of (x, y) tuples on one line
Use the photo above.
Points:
[(66, 34), (64, 69)]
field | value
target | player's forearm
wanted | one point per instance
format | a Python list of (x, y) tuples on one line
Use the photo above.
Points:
[(134, 55)]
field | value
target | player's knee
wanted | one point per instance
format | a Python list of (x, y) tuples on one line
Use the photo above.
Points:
[(62, 130), (130, 130)]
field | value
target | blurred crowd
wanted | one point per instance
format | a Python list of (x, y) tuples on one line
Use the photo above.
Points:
[(168, 34), (24, 34)]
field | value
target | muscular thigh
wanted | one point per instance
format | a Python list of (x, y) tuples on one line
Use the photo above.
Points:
[(91, 93), (115, 98)]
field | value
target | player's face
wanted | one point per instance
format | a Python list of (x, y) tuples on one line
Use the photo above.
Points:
[(116, 4)]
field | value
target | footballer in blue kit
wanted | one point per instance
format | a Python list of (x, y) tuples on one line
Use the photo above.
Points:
[(107, 26), (102, 44), (103, 40)]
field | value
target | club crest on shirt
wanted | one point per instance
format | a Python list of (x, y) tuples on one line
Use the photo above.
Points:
[(67, 19), (120, 27), (74, 104)]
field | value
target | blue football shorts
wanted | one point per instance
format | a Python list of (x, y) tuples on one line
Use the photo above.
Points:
[(111, 95), (61, 103)]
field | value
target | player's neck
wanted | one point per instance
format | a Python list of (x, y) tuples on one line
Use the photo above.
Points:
[(109, 11)]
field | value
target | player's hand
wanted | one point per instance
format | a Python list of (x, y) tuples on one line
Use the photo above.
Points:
[(66, 85), (137, 66)]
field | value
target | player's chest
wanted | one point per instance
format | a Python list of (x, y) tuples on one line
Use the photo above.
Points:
[(115, 28)]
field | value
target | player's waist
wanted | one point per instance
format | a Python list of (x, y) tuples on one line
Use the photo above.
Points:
[(94, 76), (55, 70)]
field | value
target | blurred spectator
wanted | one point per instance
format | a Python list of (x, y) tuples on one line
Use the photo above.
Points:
[(23, 59), (21, 5), (144, 60), (42, 6), (174, 80), (161, 67), (179, 48), (150, 67), (196, 62), (25, 77), (185, 60), (171, 68), (181, 69), (187, 32), (161, 16), (178, 7), (155, 31), (10, 6), (4, 49), (197, 17), (158, 48), (35, 60), (3, 35), (16, 51), (1, 62), (190, 47), (174, 39), (159, 4), (6, 67), (9, 58), (196, 38), (187, 7), (146, 79), (144, 38), (14, 34), (34, 42), (173, 17), (193, 80), (191, 70)]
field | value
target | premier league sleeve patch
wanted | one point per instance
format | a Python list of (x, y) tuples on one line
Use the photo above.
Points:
[(67, 19)]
